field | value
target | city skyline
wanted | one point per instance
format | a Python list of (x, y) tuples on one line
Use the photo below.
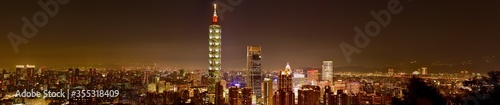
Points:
[(124, 52), (310, 34)]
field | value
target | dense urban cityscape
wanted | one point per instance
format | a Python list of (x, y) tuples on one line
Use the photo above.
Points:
[(413, 82), (150, 85)]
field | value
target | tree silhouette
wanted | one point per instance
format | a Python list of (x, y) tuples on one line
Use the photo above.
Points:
[(483, 95), (419, 93)]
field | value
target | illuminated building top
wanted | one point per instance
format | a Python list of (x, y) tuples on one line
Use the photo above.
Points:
[(20, 66), (30, 66), (288, 70), (215, 18)]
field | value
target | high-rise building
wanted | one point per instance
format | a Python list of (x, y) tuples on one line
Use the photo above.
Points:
[(254, 69), (267, 91), (309, 95), (285, 79), (239, 96), (327, 71), (234, 98), (424, 71), (91, 75), (30, 69), (19, 70), (19, 73), (284, 95), (69, 75), (214, 52), (147, 75), (246, 96), (312, 77), (328, 96), (219, 99), (76, 75), (341, 98)]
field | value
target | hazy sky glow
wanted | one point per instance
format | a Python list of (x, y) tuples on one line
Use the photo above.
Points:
[(304, 33)]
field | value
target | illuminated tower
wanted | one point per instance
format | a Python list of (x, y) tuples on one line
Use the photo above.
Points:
[(215, 45), (327, 72), (214, 52), (285, 79), (284, 95), (253, 67)]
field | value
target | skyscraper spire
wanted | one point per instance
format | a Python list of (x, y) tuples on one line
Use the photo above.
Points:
[(288, 66), (288, 69), (215, 18), (215, 9)]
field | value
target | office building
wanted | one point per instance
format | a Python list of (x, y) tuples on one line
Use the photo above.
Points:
[(309, 95), (254, 69), (312, 77), (328, 96), (267, 91), (219, 94), (239, 96), (30, 76), (424, 71), (234, 98), (246, 96), (340, 98), (284, 95), (19, 73), (327, 71)]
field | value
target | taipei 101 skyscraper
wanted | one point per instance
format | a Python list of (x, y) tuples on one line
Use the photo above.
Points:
[(214, 52)]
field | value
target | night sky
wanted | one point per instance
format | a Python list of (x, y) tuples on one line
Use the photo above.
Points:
[(174, 33)]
